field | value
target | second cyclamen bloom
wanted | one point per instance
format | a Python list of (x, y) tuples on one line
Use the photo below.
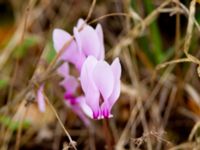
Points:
[(101, 85), (70, 84), (87, 41)]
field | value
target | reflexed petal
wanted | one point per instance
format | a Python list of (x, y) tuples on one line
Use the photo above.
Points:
[(78, 56), (40, 99), (75, 58), (78, 39), (116, 68), (63, 70), (86, 109), (88, 86), (104, 79), (115, 94), (86, 78), (80, 23), (93, 102), (70, 84), (90, 41), (99, 32), (60, 37)]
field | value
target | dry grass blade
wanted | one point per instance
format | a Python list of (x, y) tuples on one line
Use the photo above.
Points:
[(160, 66), (90, 10), (129, 90), (144, 124), (137, 30), (185, 146), (72, 143), (194, 130), (188, 36), (166, 115), (187, 12), (18, 36), (19, 131), (108, 15)]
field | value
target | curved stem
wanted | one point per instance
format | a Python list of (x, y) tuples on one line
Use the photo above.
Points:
[(109, 139)]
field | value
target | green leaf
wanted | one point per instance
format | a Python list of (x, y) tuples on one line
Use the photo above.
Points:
[(22, 49), (3, 83), (133, 4), (13, 125), (50, 52), (144, 44), (155, 36)]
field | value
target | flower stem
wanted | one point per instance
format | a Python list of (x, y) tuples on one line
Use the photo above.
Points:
[(109, 139)]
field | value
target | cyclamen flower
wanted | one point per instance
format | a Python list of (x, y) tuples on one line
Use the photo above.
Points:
[(101, 85), (88, 41), (71, 84)]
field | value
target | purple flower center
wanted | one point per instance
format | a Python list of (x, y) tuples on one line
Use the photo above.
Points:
[(71, 98), (105, 113), (95, 115)]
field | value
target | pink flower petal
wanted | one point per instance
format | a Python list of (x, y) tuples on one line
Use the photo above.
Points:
[(86, 78), (99, 32), (115, 94), (89, 41), (86, 109), (78, 39), (80, 23), (116, 68), (70, 84), (91, 92), (75, 58), (63, 70), (40, 99), (103, 78), (60, 37)]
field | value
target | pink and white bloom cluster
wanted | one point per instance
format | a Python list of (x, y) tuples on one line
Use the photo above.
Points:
[(100, 81)]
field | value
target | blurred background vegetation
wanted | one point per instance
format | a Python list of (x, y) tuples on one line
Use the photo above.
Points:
[(158, 108)]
